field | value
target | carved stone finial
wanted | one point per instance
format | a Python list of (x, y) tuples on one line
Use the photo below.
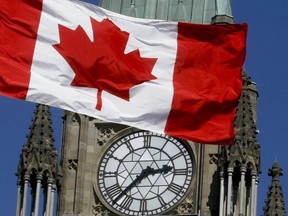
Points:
[(274, 203), (275, 172)]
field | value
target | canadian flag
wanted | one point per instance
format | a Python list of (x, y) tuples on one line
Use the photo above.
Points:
[(177, 78)]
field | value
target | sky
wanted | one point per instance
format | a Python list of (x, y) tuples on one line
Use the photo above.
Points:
[(266, 63)]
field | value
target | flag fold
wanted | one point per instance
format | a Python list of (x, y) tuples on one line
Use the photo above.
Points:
[(177, 78)]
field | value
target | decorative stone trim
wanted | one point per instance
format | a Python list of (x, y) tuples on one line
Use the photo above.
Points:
[(104, 134), (99, 210), (72, 164), (214, 158), (186, 207)]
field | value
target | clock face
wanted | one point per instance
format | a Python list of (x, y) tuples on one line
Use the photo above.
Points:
[(144, 173)]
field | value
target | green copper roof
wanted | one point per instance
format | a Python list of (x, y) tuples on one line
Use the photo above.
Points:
[(196, 11)]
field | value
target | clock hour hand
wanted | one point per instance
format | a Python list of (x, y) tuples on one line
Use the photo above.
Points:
[(144, 174), (165, 169)]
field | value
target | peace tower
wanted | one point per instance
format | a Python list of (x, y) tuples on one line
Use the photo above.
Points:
[(111, 169)]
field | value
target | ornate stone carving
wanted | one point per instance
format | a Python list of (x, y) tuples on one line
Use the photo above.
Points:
[(76, 119), (185, 207), (104, 134), (214, 158), (99, 210), (72, 164)]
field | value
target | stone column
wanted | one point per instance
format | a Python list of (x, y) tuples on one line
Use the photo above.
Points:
[(52, 199), (26, 181), (229, 190), (242, 200), (37, 197), (256, 195), (19, 197), (48, 201), (221, 204), (248, 201), (252, 195)]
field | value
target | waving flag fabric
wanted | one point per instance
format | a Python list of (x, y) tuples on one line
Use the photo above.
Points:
[(177, 78)]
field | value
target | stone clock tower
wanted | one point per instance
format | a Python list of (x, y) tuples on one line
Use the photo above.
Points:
[(112, 169)]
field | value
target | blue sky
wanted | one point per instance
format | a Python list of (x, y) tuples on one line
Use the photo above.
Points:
[(266, 63)]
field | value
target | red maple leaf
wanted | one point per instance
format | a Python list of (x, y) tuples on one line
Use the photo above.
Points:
[(101, 63)]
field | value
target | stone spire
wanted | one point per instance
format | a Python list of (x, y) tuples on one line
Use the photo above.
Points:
[(38, 153), (38, 163), (240, 162), (246, 149), (274, 203)]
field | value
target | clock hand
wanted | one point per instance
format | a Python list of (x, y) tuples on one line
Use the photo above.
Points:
[(144, 174), (164, 169)]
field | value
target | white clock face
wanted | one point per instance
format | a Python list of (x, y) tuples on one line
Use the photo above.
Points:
[(144, 173)]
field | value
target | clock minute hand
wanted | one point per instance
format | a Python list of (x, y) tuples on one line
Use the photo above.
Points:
[(144, 173)]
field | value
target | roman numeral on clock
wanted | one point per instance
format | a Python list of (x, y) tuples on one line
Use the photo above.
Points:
[(129, 146), (113, 190), (180, 171), (126, 202), (175, 188), (143, 206), (161, 200), (176, 156), (147, 141), (109, 174)]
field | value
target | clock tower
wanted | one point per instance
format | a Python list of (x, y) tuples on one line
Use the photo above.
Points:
[(112, 169)]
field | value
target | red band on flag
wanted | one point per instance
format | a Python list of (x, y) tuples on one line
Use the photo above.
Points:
[(207, 82), (18, 33), (129, 62)]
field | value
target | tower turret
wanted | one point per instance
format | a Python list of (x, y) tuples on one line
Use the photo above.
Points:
[(240, 163), (274, 203), (38, 165)]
